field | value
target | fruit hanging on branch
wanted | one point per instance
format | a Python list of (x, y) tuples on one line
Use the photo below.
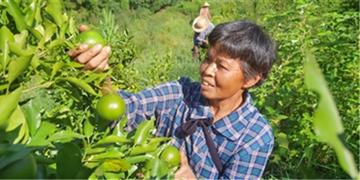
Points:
[(111, 107)]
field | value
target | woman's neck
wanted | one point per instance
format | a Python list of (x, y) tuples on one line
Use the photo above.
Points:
[(221, 108)]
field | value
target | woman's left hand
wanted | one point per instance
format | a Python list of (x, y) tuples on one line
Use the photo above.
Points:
[(185, 171), (93, 58)]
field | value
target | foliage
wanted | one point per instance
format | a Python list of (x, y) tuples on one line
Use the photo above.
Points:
[(153, 5), (332, 34), (48, 103), (330, 27), (151, 46), (327, 122)]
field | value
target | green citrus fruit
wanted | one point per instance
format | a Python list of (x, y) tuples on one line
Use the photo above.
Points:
[(171, 155), (24, 168), (91, 37), (110, 107)]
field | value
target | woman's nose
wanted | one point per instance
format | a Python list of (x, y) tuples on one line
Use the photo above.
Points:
[(210, 69)]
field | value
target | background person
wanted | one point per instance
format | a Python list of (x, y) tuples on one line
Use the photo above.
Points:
[(202, 28), (205, 11)]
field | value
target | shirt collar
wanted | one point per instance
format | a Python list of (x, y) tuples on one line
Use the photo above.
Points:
[(230, 126)]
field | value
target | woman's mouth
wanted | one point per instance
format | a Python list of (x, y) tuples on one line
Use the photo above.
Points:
[(206, 84)]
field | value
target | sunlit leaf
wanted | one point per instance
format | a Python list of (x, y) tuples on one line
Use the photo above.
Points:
[(55, 8), (17, 66), (18, 119), (32, 111), (88, 128), (113, 154), (327, 122), (41, 136), (112, 139), (82, 84), (8, 103), (115, 165), (65, 136)]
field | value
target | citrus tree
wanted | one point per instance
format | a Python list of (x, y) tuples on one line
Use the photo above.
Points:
[(59, 121)]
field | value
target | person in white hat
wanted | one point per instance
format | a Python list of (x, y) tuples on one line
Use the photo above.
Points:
[(202, 28), (205, 11)]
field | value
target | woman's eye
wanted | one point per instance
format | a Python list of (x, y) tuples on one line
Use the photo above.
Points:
[(223, 67)]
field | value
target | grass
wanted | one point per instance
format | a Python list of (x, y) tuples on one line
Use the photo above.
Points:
[(166, 32)]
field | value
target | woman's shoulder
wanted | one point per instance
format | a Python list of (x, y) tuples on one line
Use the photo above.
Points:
[(187, 84), (189, 88)]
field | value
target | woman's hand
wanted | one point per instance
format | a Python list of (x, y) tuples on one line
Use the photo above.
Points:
[(185, 172), (94, 58)]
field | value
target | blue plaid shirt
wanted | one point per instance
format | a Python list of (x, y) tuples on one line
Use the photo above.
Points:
[(243, 138)]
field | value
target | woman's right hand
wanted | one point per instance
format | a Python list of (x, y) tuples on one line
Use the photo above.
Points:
[(94, 58)]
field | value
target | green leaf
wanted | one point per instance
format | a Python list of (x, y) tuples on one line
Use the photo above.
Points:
[(18, 119), (55, 8), (18, 46), (157, 167), (55, 69), (14, 10), (65, 136), (89, 150), (6, 36), (131, 171), (143, 131), (8, 103), (112, 154), (109, 175), (139, 158), (50, 30), (88, 128), (32, 110), (30, 13), (112, 139), (327, 122), (11, 153), (16, 49), (20, 39), (82, 84), (17, 66), (145, 148), (41, 136), (68, 161), (119, 127), (115, 165), (282, 140)]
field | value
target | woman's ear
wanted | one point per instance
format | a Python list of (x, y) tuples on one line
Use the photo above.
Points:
[(252, 81)]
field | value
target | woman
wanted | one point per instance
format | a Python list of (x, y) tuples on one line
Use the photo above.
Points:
[(214, 123)]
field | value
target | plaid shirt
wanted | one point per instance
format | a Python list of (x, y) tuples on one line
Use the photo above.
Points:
[(243, 138)]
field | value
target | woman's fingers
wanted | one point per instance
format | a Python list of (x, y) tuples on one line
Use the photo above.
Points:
[(184, 160), (185, 171), (88, 55), (102, 66), (83, 28), (99, 61), (80, 49)]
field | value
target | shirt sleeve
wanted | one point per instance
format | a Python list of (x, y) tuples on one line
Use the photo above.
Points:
[(248, 165), (151, 102)]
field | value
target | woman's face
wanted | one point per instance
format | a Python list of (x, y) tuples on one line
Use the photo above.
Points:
[(221, 76)]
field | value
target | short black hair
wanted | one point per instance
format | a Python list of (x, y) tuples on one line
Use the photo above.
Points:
[(246, 41)]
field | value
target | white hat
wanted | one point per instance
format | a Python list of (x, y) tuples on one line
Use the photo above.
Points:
[(200, 24), (206, 4)]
